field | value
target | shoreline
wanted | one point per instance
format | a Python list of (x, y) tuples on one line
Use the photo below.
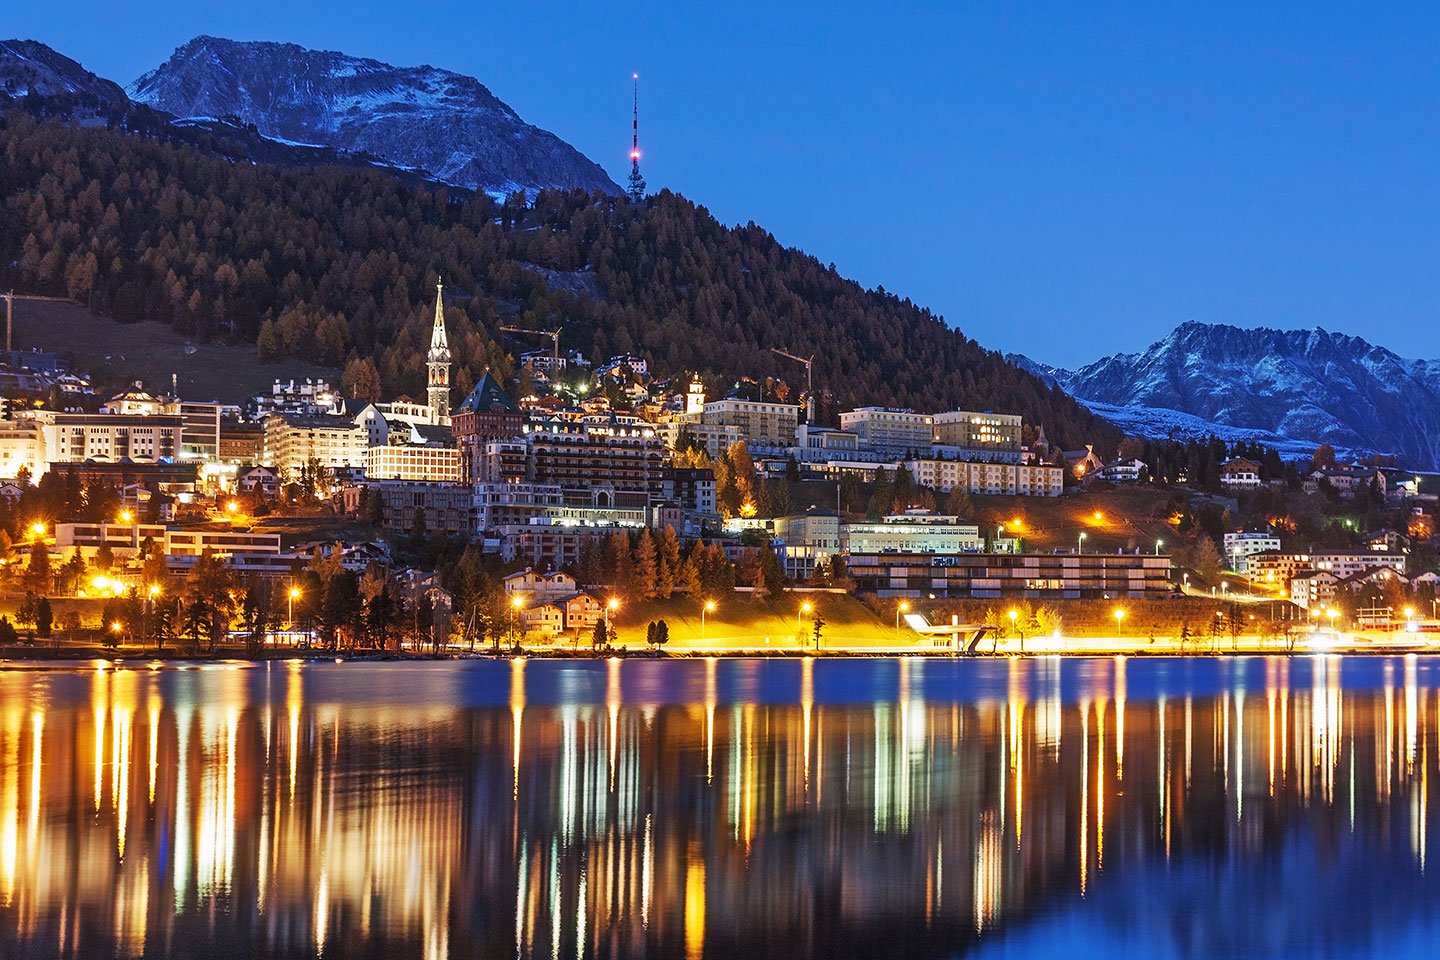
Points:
[(12, 658)]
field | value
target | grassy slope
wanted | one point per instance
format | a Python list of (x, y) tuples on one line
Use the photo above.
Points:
[(116, 354)]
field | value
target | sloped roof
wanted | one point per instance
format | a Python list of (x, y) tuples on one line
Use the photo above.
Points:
[(487, 397)]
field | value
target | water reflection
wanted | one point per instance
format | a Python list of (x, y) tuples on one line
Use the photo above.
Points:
[(718, 808)]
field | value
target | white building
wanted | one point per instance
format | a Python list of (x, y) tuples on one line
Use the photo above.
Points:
[(293, 441), (22, 447), (1009, 479), (1240, 547), (912, 532), (108, 438), (889, 430)]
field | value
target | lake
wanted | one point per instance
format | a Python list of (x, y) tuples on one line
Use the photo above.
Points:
[(794, 808)]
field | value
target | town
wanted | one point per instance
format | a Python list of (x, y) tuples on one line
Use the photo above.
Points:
[(607, 507)]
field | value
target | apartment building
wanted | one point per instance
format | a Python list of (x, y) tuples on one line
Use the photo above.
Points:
[(995, 478), (887, 430), (911, 532), (993, 576), (625, 455), (293, 440), (108, 437), (989, 436)]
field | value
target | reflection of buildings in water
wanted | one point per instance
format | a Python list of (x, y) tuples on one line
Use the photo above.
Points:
[(161, 807)]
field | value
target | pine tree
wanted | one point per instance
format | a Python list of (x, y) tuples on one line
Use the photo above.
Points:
[(646, 569), (668, 554)]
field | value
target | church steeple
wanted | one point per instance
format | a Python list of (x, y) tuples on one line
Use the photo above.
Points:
[(438, 362)]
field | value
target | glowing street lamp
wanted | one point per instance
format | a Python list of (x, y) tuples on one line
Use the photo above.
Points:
[(707, 607), (1409, 619), (1080, 546), (37, 529), (1158, 545), (805, 608), (1119, 620), (294, 595), (1332, 613), (902, 607), (126, 516)]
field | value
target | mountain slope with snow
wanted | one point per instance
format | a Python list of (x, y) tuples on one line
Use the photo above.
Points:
[(1298, 386), (29, 67), (420, 118)]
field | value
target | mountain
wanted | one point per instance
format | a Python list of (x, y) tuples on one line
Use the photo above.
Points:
[(336, 265), (419, 118), (28, 67), (1292, 388)]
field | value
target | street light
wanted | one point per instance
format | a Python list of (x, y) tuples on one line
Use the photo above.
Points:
[(805, 607), (1119, 620), (294, 595), (902, 607), (1332, 613), (37, 529), (1158, 545), (1080, 547), (1409, 619), (707, 607)]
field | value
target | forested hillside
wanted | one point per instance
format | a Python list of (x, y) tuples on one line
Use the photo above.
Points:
[(337, 265)]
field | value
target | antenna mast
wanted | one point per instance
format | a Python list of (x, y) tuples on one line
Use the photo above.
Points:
[(637, 182)]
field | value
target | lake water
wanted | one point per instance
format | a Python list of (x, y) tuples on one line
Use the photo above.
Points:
[(734, 808)]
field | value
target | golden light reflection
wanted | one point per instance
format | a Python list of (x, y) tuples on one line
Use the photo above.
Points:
[(343, 816)]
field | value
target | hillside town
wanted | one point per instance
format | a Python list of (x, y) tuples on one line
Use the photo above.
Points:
[(309, 518)]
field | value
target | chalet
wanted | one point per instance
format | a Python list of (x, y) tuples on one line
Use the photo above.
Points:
[(1124, 470), (1240, 474), (1083, 463)]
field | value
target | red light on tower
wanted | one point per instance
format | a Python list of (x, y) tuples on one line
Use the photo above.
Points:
[(634, 154)]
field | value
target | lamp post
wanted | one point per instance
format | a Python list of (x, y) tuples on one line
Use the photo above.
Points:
[(1332, 613), (901, 607), (517, 602), (707, 607), (805, 609), (1080, 544), (1158, 545), (293, 596), (611, 606), (153, 591), (1119, 621), (1409, 619)]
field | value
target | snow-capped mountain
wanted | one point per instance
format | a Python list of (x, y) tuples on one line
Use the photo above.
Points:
[(28, 66), (1294, 388), (421, 118)]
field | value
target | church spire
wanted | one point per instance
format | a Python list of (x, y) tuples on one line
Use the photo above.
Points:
[(439, 344), (438, 362)]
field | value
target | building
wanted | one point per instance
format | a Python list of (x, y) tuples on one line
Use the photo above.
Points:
[(1313, 589), (1083, 463), (993, 576), (1009, 479), (691, 488), (22, 449), (486, 415), (433, 507), (765, 427), (259, 481), (1240, 547), (413, 451), (804, 540), (911, 532), (621, 453), (1277, 568), (308, 397), (241, 441), (1124, 470), (107, 437), (1240, 474), (980, 436), (293, 441), (891, 431), (125, 540), (201, 426)]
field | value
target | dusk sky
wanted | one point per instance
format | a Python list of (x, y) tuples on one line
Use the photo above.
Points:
[(1066, 181)]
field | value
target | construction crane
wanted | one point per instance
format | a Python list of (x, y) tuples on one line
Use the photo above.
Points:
[(809, 380), (10, 299), (554, 336)]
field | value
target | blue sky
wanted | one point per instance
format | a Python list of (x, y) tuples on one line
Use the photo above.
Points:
[(1064, 180)]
